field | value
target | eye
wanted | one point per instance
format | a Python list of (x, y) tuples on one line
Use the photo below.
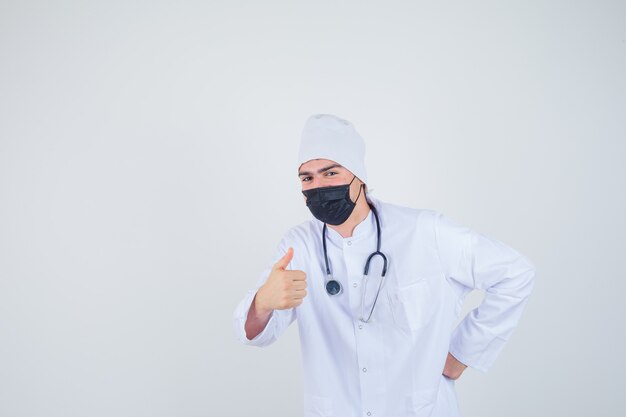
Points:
[(305, 179), (331, 173)]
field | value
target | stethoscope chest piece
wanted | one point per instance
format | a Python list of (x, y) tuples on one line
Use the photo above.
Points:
[(333, 287)]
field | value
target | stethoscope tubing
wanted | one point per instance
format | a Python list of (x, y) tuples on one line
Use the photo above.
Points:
[(333, 287)]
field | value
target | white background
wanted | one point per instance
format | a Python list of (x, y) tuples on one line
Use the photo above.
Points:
[(148, 170)]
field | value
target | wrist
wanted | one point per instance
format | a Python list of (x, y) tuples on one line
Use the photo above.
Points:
[(260, 309)]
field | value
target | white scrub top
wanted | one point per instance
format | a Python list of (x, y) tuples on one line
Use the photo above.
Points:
[(392, 366)]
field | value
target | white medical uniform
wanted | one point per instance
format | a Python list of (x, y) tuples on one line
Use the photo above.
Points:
[(392, 366)]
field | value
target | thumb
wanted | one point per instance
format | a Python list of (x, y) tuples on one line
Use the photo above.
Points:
[(284, 261)]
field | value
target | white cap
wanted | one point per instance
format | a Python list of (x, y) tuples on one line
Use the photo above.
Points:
[(329, 137)]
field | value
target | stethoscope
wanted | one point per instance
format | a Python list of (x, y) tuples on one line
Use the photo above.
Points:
[(333, 287)]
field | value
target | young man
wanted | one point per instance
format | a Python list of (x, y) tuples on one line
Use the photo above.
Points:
[(376, 289)]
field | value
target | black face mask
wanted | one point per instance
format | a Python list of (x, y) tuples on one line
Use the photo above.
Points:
[(332, 204)]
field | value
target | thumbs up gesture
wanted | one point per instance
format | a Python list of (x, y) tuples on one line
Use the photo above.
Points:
[(283, 289)]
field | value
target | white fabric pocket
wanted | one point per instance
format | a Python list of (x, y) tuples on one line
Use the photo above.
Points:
[(411, 305)]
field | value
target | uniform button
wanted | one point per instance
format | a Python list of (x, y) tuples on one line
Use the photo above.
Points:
[(349, 243), (360, 326), (369, 413), (364, 369), (354, 284)]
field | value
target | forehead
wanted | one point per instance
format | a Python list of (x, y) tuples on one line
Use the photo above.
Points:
[(315, 164)]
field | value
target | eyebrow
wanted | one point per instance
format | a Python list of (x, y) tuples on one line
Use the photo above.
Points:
[(319, 171)]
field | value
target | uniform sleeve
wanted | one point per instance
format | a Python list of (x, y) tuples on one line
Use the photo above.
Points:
[(279, 319), (474, 261)]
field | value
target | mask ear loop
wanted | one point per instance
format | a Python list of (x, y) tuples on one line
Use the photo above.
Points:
[(360, 188)]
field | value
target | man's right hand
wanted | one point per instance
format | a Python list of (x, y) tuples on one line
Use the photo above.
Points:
[(283, 289)]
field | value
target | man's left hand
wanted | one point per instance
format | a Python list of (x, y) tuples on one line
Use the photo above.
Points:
[(453, 368)]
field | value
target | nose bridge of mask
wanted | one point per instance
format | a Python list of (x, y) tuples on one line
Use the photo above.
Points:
[(337, 192)]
